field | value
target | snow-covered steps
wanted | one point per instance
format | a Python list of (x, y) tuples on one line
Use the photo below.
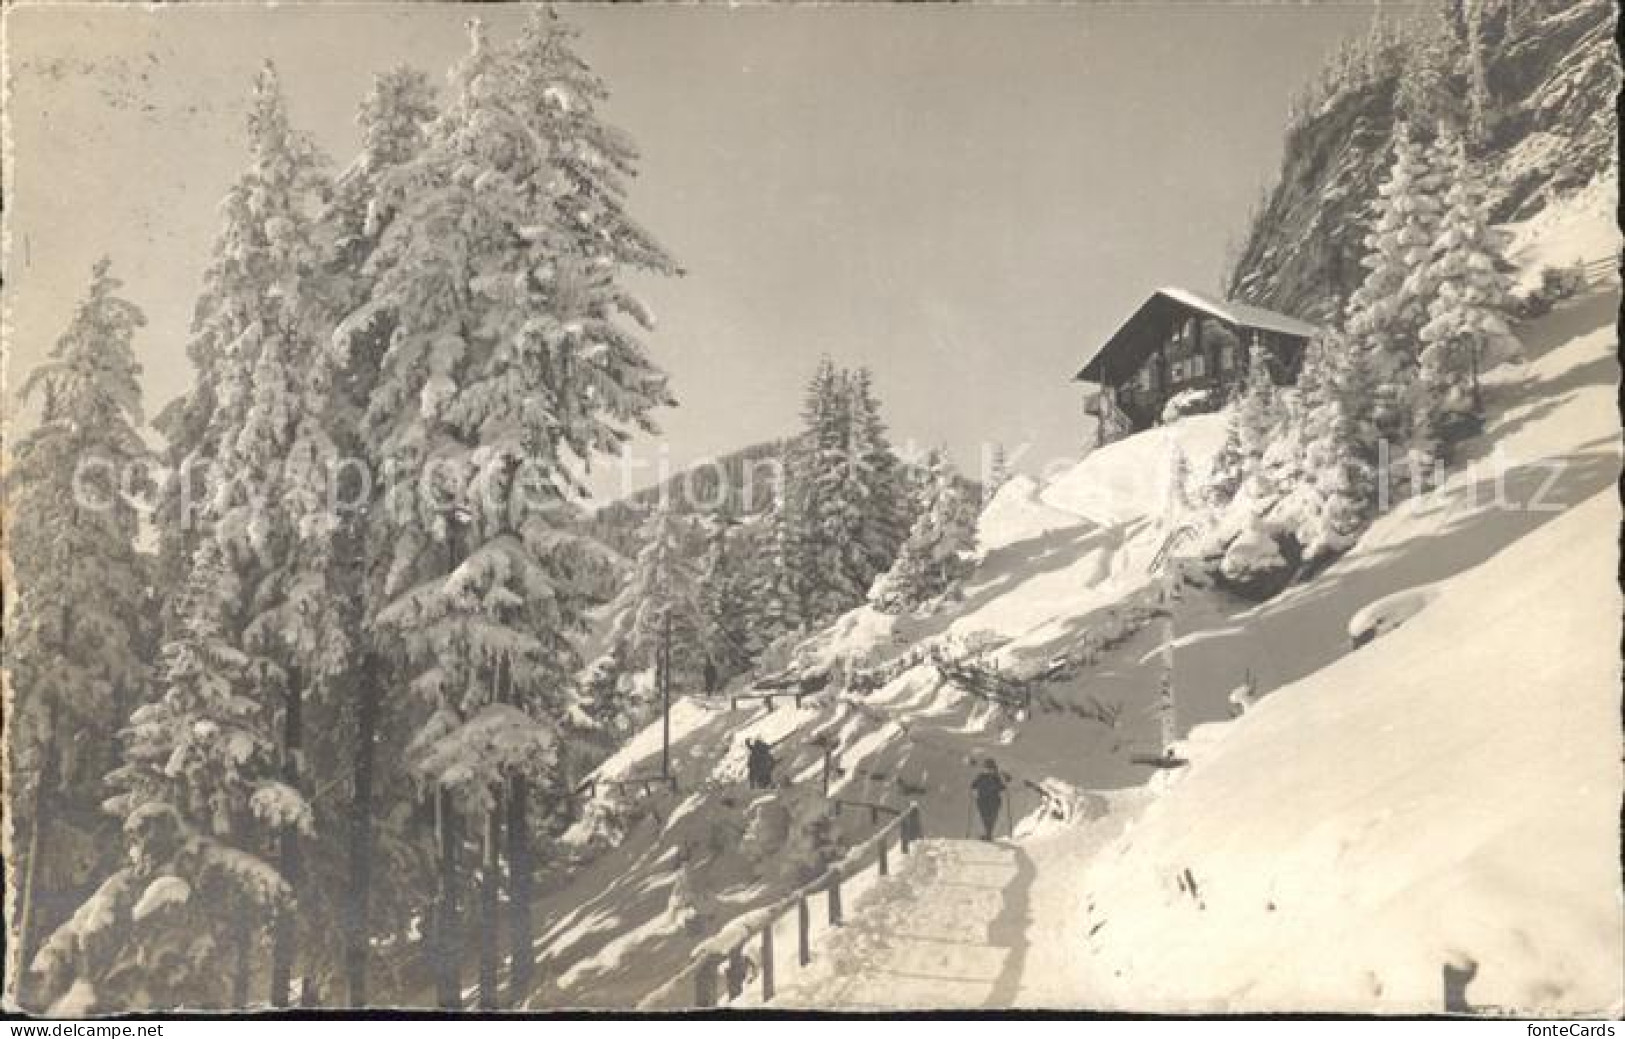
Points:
[(948, 930)]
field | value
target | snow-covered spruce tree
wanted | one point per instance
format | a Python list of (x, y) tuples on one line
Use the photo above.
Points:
[(1243, 532), (394, 118), (73, 623), (1332, 501), (875, 482), (278, 447), (848, 495), (509, 367), (779, 592), (832, 496), (658, 620), (1225, 473), (998, 474), (1259, 413), (724, 596), (1433, 83), (178, 927), (937, 553), (1467, 328), (1387, 312)]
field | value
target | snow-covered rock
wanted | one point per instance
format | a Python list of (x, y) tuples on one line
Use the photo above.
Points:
[(1388, 613), (1259, 562)]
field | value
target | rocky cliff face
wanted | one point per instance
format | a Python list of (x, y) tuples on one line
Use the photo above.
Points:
[(1549, 77)]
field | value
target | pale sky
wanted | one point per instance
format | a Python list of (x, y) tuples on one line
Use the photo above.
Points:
[(963, 198)]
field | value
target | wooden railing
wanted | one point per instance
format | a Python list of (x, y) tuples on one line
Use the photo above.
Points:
[(644, 784), (875, 809), (766, 698), (719, 970)]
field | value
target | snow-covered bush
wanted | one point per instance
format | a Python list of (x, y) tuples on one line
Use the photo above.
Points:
[(1190, 402), (1555, 285)]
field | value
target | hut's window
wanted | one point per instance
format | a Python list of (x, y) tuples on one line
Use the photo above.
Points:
[(1227, 358), (1198, 366)]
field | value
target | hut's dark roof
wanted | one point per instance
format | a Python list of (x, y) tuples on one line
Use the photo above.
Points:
[(1132, 332)]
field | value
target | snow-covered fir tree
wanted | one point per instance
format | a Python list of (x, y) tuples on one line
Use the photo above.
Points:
[(845, 495), (831, 496), (778, 594), (513, 361), (998, 473), (265, 298), (1259, 412), (939, 548), (196, 792), (1387, 312), (394, 118), (875, 478), (658, 620), (75, 629), (724, 595), (1225, 473), (1467, 328), (1332, 500)]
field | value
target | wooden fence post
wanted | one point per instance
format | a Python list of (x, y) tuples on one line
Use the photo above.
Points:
[(1456, 977), (803, 931), (834, 890), (736, 971), (884, 869), (767, 963)]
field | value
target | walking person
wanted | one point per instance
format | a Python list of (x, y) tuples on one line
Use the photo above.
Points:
[(759, 764), (989, 788)]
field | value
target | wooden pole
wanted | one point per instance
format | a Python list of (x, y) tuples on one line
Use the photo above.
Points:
[(767, 962), (884, 868), (665, 697), (834, 890), (803, 931), (736, 971)]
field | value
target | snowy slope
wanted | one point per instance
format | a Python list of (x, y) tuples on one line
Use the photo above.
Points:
[(1130, 478), (1454, 793)]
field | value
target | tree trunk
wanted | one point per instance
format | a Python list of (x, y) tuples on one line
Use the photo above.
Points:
[(285, 940), (523, 960), (448, 946), (665, 697), (357, 926), (36, 851), (245, 942), (490, 907)]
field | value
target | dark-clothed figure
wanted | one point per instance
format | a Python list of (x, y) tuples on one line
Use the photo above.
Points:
[(759, 764), (989, 788)]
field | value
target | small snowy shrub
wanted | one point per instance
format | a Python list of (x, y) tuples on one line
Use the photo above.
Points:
[(1190, 402), (1556, 285)]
